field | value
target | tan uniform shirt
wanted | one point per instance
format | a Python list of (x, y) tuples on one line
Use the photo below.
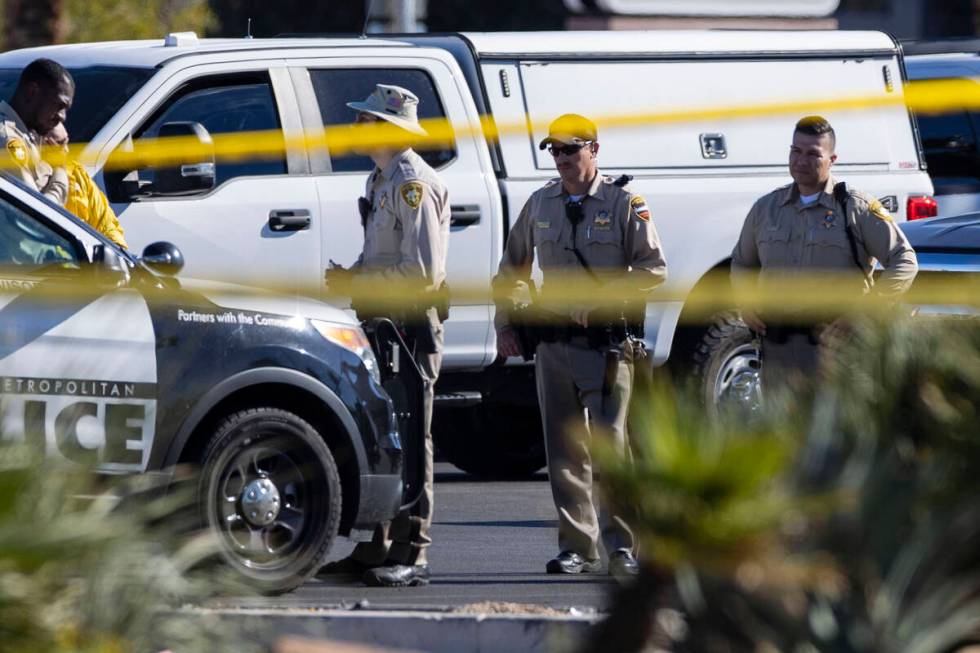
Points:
[(21, 145), (782, 238), (616, 237), (407, 232)]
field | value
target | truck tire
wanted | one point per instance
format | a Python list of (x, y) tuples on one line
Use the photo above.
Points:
[(727, 366), (270, 494), (491, 440)]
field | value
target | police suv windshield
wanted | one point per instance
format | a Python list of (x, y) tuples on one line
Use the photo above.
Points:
[(99, 93)]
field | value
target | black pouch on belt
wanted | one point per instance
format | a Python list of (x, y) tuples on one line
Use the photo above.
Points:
[(612, 357), (364, 209)]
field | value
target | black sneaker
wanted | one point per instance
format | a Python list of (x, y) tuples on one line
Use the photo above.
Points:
[(397, 576), (569, 562), (343, 569), (623, 566)]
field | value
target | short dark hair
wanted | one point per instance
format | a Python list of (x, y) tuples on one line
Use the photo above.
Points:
[(46, 73), (816, 126)]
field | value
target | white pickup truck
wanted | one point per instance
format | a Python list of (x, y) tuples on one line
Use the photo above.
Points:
[(281, 221)]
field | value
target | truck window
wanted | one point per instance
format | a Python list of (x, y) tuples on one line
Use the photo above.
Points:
[(224, 105), (336, 87), (100, 91), (950, 145)]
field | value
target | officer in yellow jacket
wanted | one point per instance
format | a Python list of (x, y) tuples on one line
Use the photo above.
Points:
[(85, 199)]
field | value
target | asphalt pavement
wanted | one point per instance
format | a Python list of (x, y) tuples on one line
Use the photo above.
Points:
[(491, 540)]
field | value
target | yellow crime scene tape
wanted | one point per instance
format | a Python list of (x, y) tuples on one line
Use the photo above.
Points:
[(814, 294), (808, 295), (927, 97)]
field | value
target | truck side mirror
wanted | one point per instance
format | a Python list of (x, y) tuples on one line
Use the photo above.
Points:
[(163, 257), (185, 177)]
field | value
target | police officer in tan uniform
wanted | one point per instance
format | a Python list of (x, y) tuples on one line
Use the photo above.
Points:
[(814, 225), (44, 94), (406, 239), (588, 228)]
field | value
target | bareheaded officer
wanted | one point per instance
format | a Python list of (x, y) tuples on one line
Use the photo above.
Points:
[(813, 226), (44, 94), (587, 227), (406, 238)]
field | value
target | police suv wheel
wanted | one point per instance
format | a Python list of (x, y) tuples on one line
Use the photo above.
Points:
[(728, 366), (270, 493)]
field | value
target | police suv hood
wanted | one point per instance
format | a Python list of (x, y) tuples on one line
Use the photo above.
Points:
[(249, 298), (960, 233)]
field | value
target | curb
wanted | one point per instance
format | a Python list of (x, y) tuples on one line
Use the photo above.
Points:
[(432, 632)]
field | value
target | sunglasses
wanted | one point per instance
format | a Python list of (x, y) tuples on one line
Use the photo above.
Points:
[(567, 150)]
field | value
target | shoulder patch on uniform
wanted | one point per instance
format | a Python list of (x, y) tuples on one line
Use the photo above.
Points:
[(412, 192), (18, 150), (408, 169), (877, 209), (640, 208)]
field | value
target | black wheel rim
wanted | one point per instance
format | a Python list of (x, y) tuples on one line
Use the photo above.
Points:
[(266, 534)]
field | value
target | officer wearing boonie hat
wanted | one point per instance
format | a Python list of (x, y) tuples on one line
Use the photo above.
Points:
[(405, 214), (587, 227), (395, 104)]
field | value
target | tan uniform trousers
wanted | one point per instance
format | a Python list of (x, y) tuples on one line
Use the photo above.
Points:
[(405, 539), (569, 380), (789, 363)]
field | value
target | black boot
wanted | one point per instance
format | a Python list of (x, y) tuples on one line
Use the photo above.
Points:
[(623, 566), (569, 562), (397, 575), (347, 568)]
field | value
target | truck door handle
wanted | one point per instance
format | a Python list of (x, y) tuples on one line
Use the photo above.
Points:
[(464, 215), (289, 220)]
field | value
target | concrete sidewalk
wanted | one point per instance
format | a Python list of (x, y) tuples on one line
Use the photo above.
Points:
[(496, 630)]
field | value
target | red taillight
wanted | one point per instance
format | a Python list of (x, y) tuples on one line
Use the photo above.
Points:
[(922, 206)]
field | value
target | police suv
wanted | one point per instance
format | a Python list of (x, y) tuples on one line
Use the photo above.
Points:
[(280, 220), (106, 361)]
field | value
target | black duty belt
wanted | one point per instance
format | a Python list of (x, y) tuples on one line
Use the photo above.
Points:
[(781, 333)]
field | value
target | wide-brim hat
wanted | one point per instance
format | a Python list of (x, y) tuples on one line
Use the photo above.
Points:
[(570, 129), (395, 104)]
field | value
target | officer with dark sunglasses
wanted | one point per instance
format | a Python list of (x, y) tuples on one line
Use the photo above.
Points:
[(592, 229)]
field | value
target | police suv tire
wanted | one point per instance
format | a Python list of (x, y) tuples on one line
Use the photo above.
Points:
[(491, 441), (726, 354), (273, 450)]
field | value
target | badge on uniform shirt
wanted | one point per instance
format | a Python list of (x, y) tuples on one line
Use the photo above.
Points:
[(877, 209), (543, 224), (828, 220), (412, 193), (602, 221), (17, 150), (383, 200), (639, 206)]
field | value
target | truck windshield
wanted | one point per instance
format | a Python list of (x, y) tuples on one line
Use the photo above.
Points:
[(99, 93)]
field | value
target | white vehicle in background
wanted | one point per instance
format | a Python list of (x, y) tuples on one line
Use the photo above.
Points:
[(950, 140), (281, 220)]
